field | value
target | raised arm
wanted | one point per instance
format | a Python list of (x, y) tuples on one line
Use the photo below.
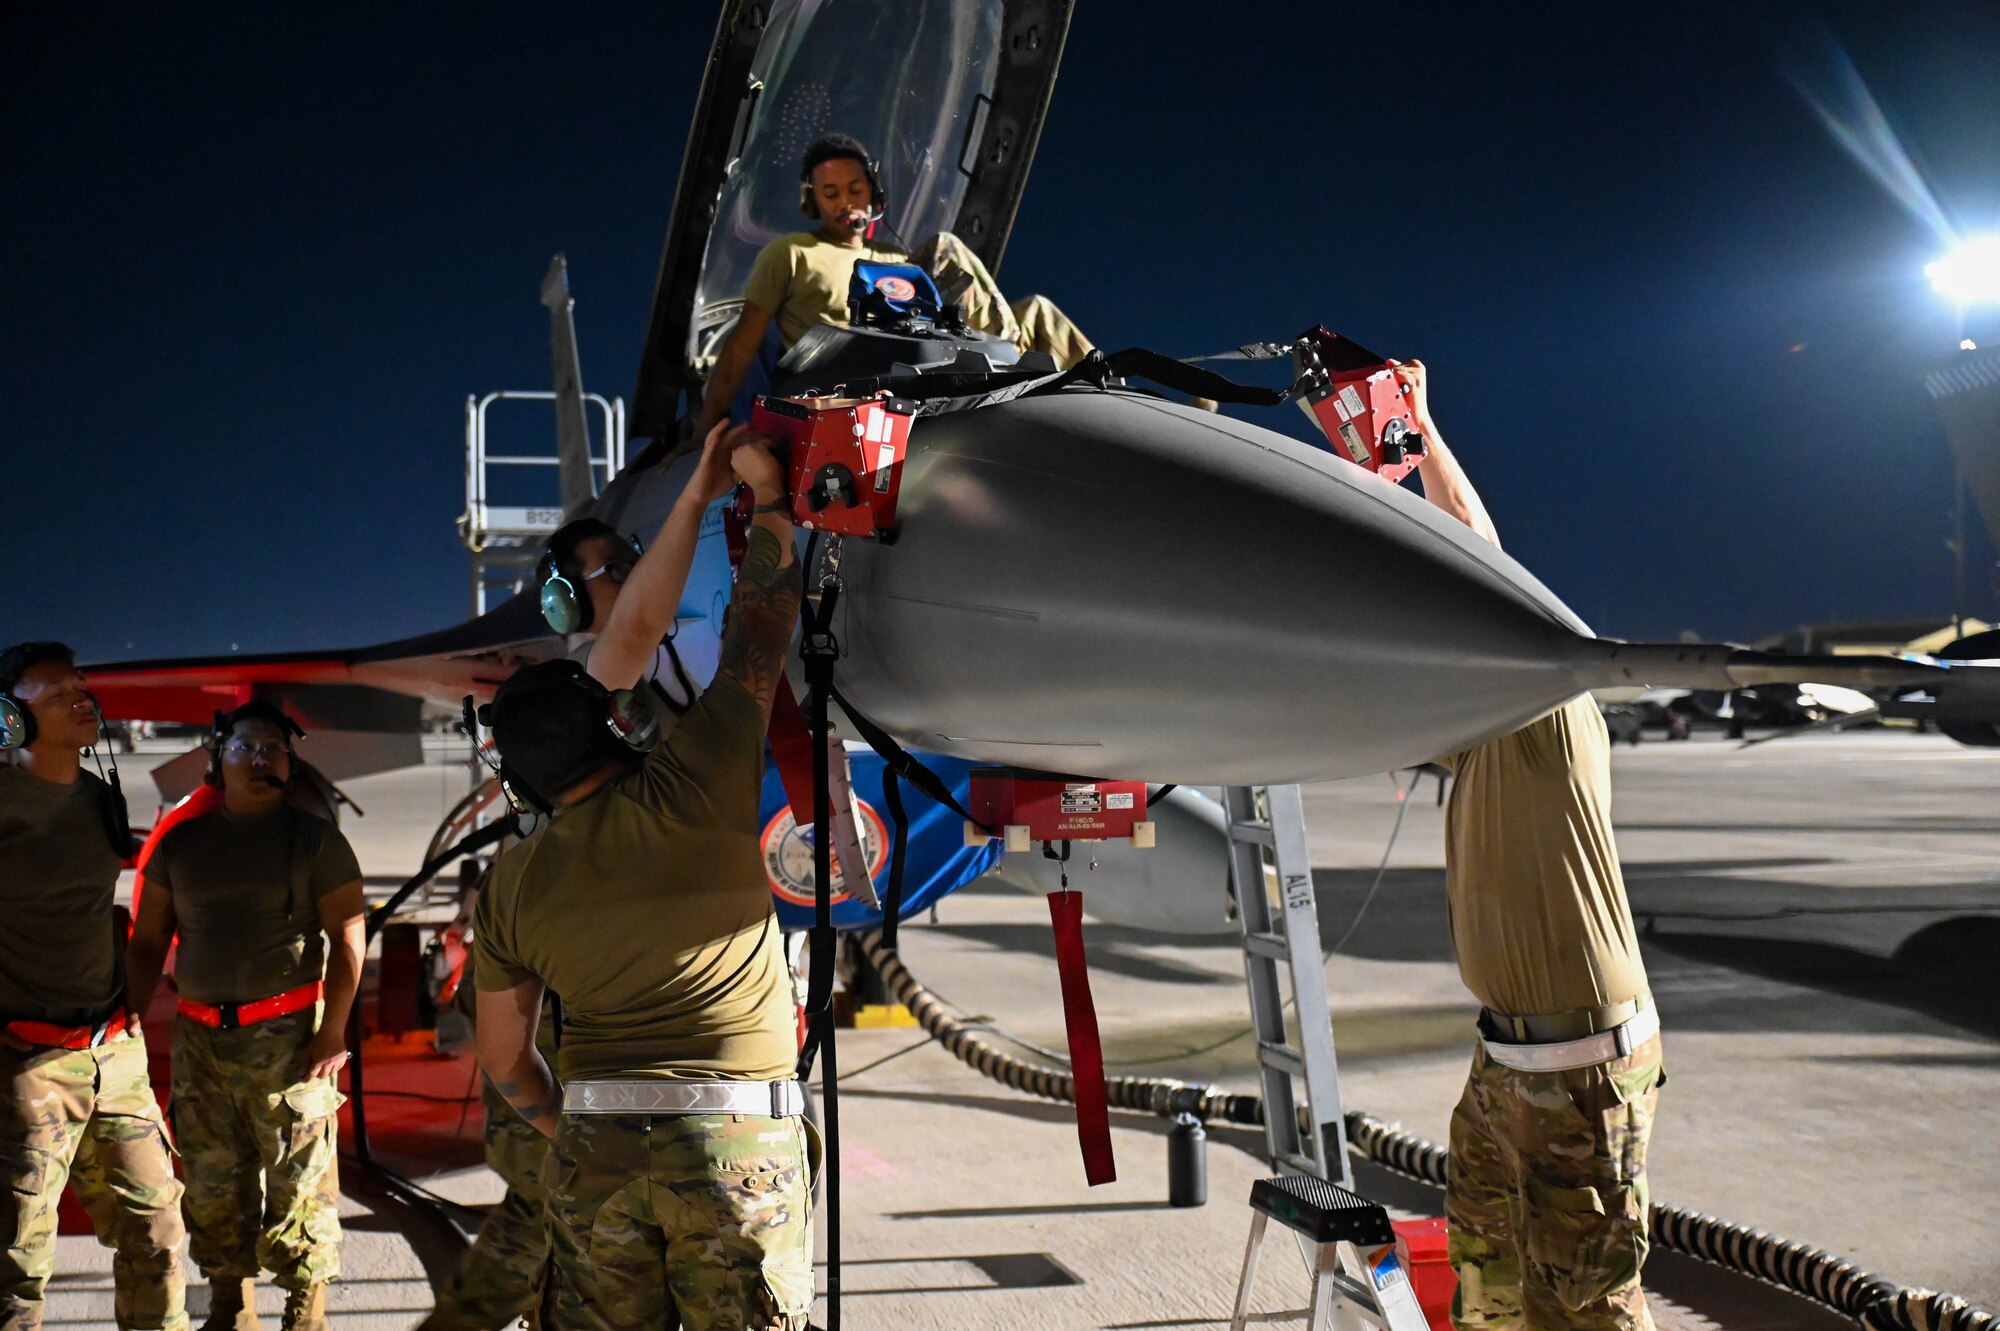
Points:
[(1444, 481), (739, 349), (765, 608), (651, 596)]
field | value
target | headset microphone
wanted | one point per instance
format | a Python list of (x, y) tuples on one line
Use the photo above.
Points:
[(117, 818)]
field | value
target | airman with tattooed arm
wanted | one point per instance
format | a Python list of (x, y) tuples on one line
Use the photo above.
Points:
[(644, 904)]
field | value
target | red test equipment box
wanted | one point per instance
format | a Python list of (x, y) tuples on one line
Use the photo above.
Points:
[(846, 458), (1042, 806), (1352, 395)]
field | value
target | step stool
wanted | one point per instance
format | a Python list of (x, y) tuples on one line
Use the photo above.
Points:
[(1357, 1280)]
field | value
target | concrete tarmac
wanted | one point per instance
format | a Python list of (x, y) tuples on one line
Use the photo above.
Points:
[(1819, 917)]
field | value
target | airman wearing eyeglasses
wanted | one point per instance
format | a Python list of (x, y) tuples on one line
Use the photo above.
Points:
[(257, 889), (592, 559)]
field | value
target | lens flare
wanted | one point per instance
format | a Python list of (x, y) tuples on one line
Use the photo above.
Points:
[(1970, 274), (1852, 116)]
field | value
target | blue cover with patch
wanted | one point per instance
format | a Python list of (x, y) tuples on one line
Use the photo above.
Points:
[(940, 861), (901, 288)]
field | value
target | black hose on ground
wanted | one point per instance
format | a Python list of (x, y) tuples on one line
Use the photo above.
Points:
[(1875, 1303)]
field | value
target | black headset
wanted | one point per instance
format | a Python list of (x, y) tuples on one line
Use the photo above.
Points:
[(225, 722), (564, 605), (18, 731), (850, 151), (17, 724), (630, 729)]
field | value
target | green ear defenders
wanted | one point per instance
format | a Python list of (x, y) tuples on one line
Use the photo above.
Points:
[(17, 724), (565, 608), (564, 605)]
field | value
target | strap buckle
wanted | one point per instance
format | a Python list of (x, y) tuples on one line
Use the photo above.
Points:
[(819, 644)]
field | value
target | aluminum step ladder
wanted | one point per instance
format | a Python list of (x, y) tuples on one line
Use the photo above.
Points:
[(1358, 1282), (1281, 937)]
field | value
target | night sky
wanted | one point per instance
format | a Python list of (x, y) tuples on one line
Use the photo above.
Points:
[(258, 255)]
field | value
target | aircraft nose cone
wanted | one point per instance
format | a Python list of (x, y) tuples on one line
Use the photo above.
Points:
[(1106, 584)]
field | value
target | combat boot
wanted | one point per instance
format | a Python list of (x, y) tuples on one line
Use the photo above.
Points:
[(232, 1306), (305, 1309)]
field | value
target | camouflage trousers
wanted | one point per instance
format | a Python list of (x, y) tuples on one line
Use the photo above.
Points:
[(1547, 1199), (701, 1222), (257, 1144), (1033, 323), (88, 1117), (495, 1283)]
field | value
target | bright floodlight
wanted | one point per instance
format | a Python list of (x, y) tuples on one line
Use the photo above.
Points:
[(1970, 274)]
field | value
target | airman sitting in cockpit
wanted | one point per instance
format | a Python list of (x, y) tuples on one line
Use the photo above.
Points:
[(801, 279)]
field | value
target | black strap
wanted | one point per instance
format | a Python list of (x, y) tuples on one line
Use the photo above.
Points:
[(900, 762), (1139, 363), (942, 394), (899, 849), (818, 651)]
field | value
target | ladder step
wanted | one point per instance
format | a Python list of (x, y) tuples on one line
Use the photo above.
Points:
[(1303, 1164), (1259, 833), (1282, 1057), (1273, 946)]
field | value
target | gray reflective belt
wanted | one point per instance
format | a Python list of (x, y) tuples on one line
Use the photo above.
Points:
[(1567, 1054), (772, 1099)]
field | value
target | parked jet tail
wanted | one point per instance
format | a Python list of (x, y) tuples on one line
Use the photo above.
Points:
[(578, 487)]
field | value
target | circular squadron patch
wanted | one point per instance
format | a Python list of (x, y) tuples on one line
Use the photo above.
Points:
[(788, 854), (896, 288)]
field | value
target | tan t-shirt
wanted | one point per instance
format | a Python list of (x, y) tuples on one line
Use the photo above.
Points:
[(246, 891), (801, 279), (1539, 918), (58, 950), (647, 908)]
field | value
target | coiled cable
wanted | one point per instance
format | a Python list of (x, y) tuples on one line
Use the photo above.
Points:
[(1874, 1302)]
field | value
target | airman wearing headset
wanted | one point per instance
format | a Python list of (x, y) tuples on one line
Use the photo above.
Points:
[(79, 1105), (579, 581), (679, 1181), (257, 889), (800, 279)]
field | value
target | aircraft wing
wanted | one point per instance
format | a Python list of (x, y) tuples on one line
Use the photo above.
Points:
[(378, 689)]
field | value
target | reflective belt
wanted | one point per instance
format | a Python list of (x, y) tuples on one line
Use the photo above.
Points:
[(1564, 1055), (772, 1099), (229, 1016), (69, 1037)]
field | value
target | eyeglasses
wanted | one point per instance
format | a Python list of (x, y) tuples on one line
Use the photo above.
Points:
[(617, 570), (243, 750)]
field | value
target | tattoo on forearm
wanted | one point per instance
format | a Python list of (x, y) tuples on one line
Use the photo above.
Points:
[(761, 618), (536, 1109)]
